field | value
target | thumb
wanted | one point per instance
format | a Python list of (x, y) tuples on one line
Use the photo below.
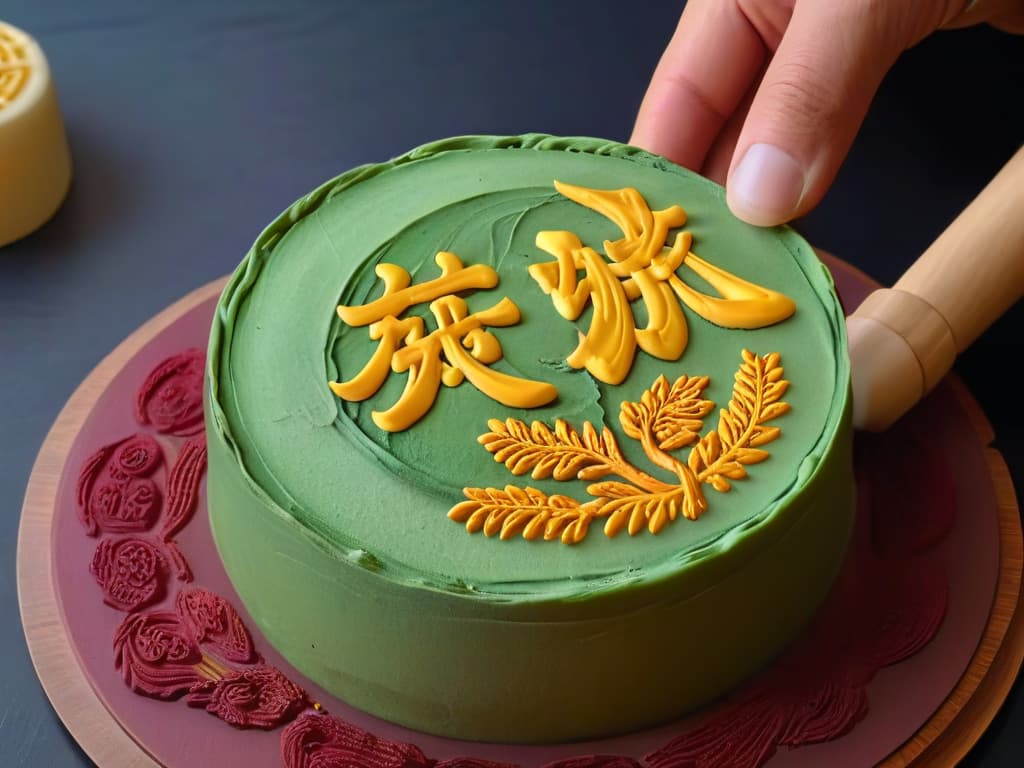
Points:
[(813, 99)]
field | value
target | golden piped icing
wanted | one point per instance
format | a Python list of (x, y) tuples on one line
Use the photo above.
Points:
[(461, 347), (642, 266), (665, 418)]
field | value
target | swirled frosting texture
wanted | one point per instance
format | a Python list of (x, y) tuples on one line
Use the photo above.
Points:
[(336, 533)]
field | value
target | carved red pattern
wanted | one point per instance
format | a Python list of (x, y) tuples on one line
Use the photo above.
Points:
[(595, 761), (216, 624), (130, 571), (114, 494), (322, 741), (160, 653), (183, 485), (156, 655), (182, 498), (171, 398), (885, 611), (257, 697)]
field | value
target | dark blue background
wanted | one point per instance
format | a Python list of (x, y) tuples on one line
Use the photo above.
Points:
[(192, 124)]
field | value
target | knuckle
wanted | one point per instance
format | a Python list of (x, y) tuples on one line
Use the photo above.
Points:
[(802, 99), (688, 89), (770, 18)]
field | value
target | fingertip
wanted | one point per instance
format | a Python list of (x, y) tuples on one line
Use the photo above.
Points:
[(809, 106), (767, 186)]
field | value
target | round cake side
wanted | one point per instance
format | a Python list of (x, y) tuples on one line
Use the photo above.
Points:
[(582, 605)]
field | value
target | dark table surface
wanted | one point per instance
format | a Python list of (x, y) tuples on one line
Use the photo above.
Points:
[(192, 124)]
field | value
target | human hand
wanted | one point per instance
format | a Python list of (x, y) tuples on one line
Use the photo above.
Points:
[(766, 96)]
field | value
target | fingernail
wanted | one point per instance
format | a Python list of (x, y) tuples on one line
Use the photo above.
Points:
[(766, 187)]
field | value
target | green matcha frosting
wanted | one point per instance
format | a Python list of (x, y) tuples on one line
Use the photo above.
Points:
[(336, 534), (381, 498)]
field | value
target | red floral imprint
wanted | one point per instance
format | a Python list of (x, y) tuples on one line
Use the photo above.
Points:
[(159, 653), (114, 494), (131, 572), (214, 622), (156, 655), (258, 697), (323, 741), (318, 740), (171, 398)]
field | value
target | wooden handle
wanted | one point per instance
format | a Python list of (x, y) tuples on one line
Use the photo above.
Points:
[(974, 271), (904, 339)]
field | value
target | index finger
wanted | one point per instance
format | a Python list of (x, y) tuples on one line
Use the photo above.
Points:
[(709, 64)]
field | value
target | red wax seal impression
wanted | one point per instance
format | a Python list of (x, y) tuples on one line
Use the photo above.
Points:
[(171, 398), (131, 572), (215, 623), (156, 655), (258, 697), (114, 493)]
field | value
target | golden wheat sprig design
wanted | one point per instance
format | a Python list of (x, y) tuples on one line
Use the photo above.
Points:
[(666, 418), (721, 456)]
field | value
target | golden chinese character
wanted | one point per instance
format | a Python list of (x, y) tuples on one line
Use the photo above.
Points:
[(642, 266), (461, 347)]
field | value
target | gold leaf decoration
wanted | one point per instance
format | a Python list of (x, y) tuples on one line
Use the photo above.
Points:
[(675, 413), (722, 455), (638, 510), (562, 454), (513, 510), (667, 417)]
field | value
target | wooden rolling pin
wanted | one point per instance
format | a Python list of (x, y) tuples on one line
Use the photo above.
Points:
[(904, 339)]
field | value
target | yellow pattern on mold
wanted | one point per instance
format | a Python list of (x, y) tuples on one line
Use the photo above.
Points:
[(642, 266), (14, 65), (665, 419), (461, 347)]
